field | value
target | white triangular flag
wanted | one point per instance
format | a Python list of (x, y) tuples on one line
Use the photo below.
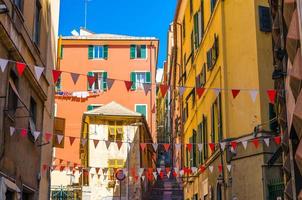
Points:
[(59, 138), (140, 171), (147, 87), (158, 170), (253, 94), (12, 130), (168, 174), (38, 71), (3, 64), (222, 145), (181, 90), (143, 177), (155, 146), (229, 167), (181, 172), (177, 146), (83, 141), (266, 140), (176, 169), (211, 168), (199, 147), (244, 143), (194, 169), (217, 91), (155, 175), (36, 134)]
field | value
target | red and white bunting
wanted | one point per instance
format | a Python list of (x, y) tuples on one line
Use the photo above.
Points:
[(12, 130), (128, 85), (36, 134), (59, 138), (211, 168), (20, 68), (271, 95), (235, 92), (74, 77), (23, 132), (163, 89), (181, 90), (3, 64), (266, 141), (200, 92), (155, 146), (55, 75), (222, 145), (253, 94), (229, 167), (199, 147), (38, 71), (244, 144)]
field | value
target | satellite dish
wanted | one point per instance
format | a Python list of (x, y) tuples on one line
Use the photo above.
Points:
[(75, 33)]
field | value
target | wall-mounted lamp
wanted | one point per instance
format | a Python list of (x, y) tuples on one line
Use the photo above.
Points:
[(3, 8)]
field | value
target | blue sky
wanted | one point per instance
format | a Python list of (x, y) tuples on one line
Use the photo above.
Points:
[(128, 17)]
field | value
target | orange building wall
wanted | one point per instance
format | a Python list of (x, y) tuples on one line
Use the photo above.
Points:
[(118, 66)]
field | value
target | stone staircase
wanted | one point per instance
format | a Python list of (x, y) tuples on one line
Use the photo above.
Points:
[(166, 189)]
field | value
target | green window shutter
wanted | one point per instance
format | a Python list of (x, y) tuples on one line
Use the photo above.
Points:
[(90, 107), (196, 31), (89, 74), (90, 52), (144, 51), (133, 79), (191, 153), (148, 77), (141, 109), (132, 51), (61, 52), (105, 51), (105, 75)]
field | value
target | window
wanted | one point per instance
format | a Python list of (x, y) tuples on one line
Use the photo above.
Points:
[(184, 28), (272, 117), (61, 52), (142, 109), (139, 78), (115, 131), (33, 110), (201, 77), (216, 121), (12, 94), (138, 51), (213, 3), (196, 30), (100, 83), (265, 19), (195, 197), (98, 52), (192, 47), (194, 149), (19, 4), (37, 22), (204, 138), (212, 54)]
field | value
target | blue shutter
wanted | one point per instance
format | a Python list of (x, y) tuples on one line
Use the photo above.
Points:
[(148, 77), (133, 79), (132, 51), (265, 19), (90, 52), (88, 86), (105, 75), (105, 49)]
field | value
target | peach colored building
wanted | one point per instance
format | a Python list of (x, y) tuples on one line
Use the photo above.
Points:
[(106, 56)]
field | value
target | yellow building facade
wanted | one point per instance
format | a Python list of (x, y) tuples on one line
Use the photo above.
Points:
[(224, 45)]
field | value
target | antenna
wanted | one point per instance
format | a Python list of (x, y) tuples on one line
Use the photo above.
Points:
[(86, 2)]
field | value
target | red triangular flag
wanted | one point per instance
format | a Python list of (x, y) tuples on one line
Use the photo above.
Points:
[(220, 168), (97, 169), (23, 132), (45, 167), (153, 109), (62, 168), (91, 80), (167, 169), (174, 174), (163, 89), (256, 142), (212, 146), (96, 142), (56, 74), (60, 161), (128, 85), (277, 139), (71, 140), (161, 174), (20, 68), (189, 147), (202, 168), (200, 91), (271, 95), (235, 93), (166, 146), (234, 144), (143, 146), (47, 137)]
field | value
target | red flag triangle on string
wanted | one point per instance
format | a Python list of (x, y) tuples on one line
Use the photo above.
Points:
[(174, 174), (47, 137), (45, 167), (271, 95), (20, 68), (200, 91), (256, 142), (161, 174), (56, 74), (166, 146), (189, 147), (128, 85), (71, 140), (97, 169), (163, 89), (277, 139), (202, 168), (235, 93), (212, 146), (234, 144), (167, 169), (60, 161), (23, 132), (143, 146), (62, 168), (220, 168), (95, 142), (91, 80)]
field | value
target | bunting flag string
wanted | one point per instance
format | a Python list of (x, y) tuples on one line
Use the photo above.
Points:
[(20, 67)]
